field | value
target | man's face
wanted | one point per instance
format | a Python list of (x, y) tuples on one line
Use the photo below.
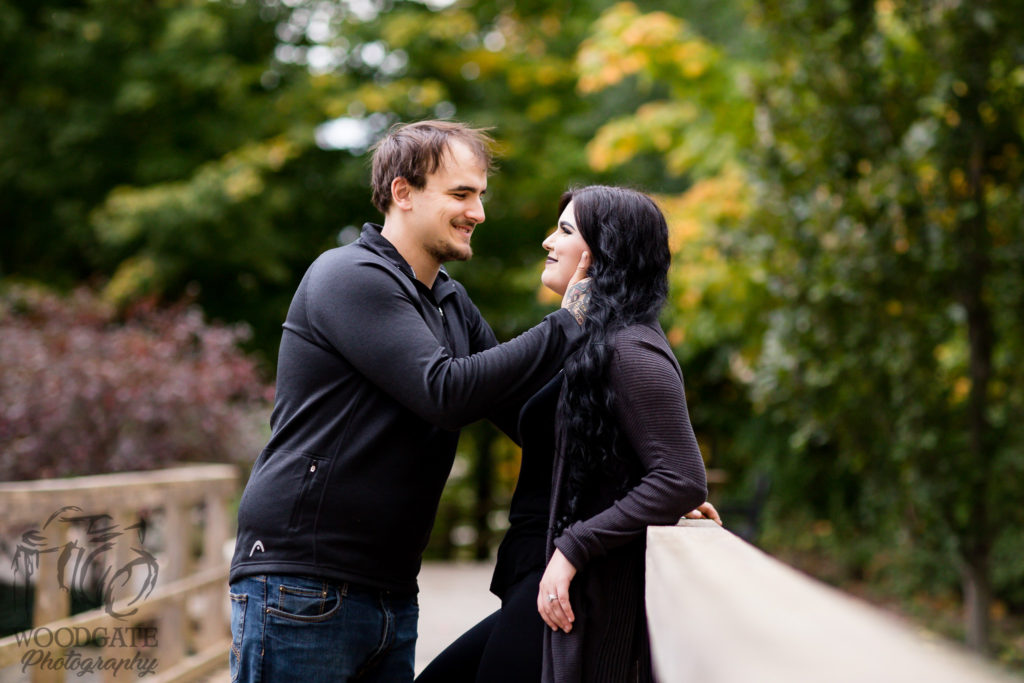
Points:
[(448, 208)]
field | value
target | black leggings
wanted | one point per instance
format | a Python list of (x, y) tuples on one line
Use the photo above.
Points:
[(506, 646)]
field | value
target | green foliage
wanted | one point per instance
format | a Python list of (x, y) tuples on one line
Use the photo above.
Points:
[(889, 178), (877, 260)]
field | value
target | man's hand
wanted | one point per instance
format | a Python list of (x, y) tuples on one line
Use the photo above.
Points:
[(553, 595), (704, 511), (577, 294)]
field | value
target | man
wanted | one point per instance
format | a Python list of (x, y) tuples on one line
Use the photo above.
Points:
[(383, 358)]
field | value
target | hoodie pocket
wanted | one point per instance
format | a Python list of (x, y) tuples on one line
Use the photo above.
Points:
[(308, 497)]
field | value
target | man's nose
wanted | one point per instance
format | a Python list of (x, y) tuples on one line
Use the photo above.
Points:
[(476, 211)]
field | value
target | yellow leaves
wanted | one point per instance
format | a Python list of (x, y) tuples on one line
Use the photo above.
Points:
[(427, 94), (374, 98), (616, 142), (958, 182), (403, 28), (654, 29), (719, 199), (92, 30), (392, 96), (134, 276), (961, 389), (695, 218), (452, 25), (926, 177), (654, 127), (243, 183), (953, 361), (543, 108), (551, 24), (988, 113), (626, 43), (693, 56), (130, 213), (549, 74)]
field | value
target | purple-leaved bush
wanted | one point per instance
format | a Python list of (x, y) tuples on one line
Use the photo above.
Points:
[(84, 390)]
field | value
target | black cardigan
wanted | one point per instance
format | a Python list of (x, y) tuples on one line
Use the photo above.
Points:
[(608, 641)]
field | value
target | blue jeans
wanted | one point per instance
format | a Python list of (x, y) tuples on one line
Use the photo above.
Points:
[(296, 628)]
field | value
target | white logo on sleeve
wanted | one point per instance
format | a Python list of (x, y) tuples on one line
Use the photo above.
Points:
[(258, 545)]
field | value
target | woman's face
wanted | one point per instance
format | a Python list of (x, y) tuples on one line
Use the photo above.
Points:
[(565, 246)]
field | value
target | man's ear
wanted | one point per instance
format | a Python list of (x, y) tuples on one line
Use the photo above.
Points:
[(401, 193)]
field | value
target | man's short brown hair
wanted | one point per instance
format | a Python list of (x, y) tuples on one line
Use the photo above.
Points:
[(415, 150)]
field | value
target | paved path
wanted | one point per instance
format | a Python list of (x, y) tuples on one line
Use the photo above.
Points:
[(453, 597)]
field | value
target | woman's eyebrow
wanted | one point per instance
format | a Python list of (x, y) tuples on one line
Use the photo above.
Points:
[(566, 224)]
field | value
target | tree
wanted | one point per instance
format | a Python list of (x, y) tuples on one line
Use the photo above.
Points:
[(160, 149), (883, 159)]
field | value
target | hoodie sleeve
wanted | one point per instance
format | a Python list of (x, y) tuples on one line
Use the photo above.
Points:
[(373, 321)]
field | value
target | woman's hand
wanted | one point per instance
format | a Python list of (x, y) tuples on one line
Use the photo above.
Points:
[(704, 511), (577, 293), (553, 595)]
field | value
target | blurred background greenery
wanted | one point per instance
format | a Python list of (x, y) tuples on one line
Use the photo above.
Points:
[(843, 182)]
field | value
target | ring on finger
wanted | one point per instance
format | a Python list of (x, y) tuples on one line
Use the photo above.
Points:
[(552, 597)]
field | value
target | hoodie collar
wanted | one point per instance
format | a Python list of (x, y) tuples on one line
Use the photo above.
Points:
[(372, 239)]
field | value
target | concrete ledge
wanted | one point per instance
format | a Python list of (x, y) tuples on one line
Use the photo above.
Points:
[(722, 611)]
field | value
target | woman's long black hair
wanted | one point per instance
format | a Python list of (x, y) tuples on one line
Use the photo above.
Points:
[(628, 242)]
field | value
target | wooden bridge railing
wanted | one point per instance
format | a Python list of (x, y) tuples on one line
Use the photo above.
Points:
[(163, 584), (721, 611)]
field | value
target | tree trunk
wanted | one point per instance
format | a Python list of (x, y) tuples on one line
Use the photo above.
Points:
[(976, 541), (977, 598), (484, 491)]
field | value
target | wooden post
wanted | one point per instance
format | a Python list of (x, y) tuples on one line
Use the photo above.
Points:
[(119, 556), (213, 624), (172, 620), (52, 602)]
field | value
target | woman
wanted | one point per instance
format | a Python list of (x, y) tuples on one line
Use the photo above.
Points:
[(613, 430)]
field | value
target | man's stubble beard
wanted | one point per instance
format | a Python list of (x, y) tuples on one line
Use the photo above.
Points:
[(443, 252)]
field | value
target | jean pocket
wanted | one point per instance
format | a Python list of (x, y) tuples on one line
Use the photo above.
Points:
[(238, 605), (305, 603)]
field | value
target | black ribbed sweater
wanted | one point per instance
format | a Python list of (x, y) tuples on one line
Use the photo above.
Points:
[(608, 642)]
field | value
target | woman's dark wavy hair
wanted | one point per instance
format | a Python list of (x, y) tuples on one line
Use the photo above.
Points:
[(628, 242)]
